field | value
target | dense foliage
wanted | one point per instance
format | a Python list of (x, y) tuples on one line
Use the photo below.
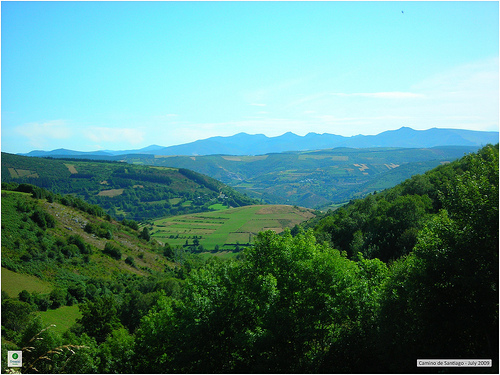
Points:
[(406, 274)]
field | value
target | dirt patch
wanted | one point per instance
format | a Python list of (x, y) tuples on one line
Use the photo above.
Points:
[(362, 167), (391, 166), (71, 168), (267, 210), (15, 173), (111, 192), (232, 158)]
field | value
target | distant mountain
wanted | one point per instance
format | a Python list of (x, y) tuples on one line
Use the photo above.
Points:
[(65, 152), (259, 144)]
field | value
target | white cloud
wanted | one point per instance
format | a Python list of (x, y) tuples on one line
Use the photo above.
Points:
[(114, 135), (383, 95), (463, 97), (41, 134)]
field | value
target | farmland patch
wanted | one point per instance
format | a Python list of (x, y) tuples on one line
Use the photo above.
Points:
[(71, 168), (111, 192), (18, 173), (229, 227), (63, 317)]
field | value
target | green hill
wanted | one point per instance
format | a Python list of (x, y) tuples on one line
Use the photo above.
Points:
[(60, 251), (54, 241), (313, 179), (124, 190)]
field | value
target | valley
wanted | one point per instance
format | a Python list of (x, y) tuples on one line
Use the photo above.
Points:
[(220, 279), (319, 179), (313, 179)]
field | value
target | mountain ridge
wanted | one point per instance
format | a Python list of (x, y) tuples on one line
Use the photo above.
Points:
[(259, 144)]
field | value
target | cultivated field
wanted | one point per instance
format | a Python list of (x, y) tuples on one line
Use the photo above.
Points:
[(228, 228)]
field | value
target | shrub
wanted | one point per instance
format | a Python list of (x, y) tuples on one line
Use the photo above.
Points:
[(113, 251), (130, 261)]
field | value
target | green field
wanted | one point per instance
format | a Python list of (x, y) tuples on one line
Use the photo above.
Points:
[(63, 318), (13, 283), (226, 228)]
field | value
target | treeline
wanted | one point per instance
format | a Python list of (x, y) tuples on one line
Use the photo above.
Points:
[(318, 301)]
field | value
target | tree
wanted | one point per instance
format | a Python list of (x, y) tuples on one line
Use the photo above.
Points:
[(145, 234), (285, 307), (100, 317), (168, 252), (117, 353), (444, 296), (16, 316), (57, 297)]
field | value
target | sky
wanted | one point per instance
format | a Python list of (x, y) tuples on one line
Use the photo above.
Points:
[(125, 75)]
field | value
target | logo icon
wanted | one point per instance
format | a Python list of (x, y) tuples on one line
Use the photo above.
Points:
[(15, 358)]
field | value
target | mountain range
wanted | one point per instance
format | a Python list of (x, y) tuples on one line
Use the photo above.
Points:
[(259, 144)]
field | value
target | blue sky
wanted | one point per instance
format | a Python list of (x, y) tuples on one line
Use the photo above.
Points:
[(125, 75)]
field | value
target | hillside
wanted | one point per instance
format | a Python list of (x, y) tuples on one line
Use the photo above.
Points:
[(52, 240), (313, 179), (124, 190)]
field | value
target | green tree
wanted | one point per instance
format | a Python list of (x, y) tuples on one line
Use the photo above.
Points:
[(99, 317), (442, 300), (57, 298), (283, 308), (117, 353), (16, 315), (145, 234)]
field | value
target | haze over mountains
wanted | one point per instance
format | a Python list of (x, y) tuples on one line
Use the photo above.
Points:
[(258, 144)]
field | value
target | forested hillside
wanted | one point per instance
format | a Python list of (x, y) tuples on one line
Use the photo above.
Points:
[(313, 179), (405, 274), (124, 190)]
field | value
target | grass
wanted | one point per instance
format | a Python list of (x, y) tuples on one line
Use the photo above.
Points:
[(227, 227), (63, 317), (13, 283)]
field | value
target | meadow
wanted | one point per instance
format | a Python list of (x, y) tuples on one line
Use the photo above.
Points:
[(228, 228), (13, 283), (63, 317)]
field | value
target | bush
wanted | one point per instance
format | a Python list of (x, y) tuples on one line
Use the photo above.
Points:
[(43, 219), (130, 261), (113, 251)]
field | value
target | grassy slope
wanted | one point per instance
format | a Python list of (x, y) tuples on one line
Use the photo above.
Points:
[(228, 227), (63, 317), (13, 283), (20, 235)]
